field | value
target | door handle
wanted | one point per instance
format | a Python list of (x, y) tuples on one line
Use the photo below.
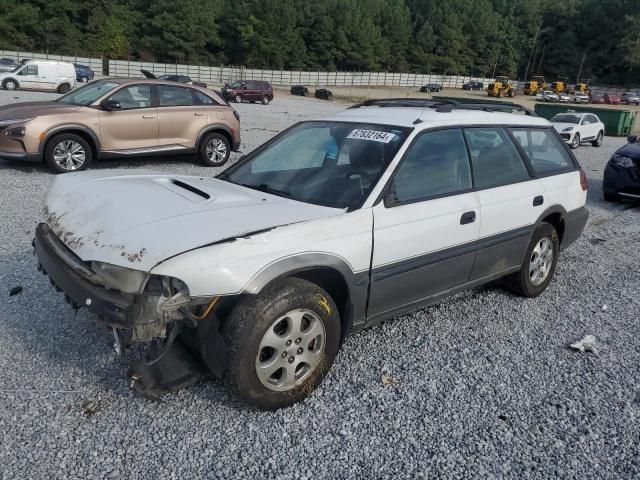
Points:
[(148, 116), (199, 114), (468, 217), (537, 201)]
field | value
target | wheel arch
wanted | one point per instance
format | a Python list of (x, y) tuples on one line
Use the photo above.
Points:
[(331, 273), (555, 215), (10, 78), (216, 128), (80, 130)]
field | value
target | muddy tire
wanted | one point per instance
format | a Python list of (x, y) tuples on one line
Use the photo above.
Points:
[(67, 152), (282, 343), (539, 263), (214, 150)]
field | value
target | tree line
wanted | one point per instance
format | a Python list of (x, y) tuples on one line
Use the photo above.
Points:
[(588, 38)]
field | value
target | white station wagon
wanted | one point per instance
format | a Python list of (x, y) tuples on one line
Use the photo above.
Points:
[(332, 226)]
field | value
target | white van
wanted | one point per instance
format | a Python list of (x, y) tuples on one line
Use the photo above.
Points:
[(41, 75)]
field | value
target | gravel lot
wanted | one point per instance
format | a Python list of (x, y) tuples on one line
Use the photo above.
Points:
[(486, 386)]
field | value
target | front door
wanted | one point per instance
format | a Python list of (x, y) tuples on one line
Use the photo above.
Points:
[(28, 77), (134, 127), (180, 117), (426, 228)]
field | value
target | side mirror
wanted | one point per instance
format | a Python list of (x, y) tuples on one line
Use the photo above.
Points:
[(632, 138), (109, 105)]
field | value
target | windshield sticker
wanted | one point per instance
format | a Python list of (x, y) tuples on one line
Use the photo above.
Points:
[(372, 135)]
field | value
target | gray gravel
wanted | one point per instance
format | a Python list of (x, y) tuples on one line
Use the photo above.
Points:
[(487, 387)]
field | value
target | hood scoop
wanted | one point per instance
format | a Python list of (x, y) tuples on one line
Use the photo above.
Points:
[(185, 190)]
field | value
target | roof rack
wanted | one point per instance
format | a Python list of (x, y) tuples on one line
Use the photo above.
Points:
[(446, 105)]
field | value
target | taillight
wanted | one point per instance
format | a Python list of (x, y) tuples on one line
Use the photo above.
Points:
[(583, 180)]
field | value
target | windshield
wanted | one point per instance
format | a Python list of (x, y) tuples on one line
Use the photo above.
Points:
[(236, 84), (324, 163), (564, 118), (88, 94)]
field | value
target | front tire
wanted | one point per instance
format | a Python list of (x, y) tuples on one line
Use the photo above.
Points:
[(84, 79), (68, 152), (598, 141), (539, 263), (10, 84), (611, 197), (575, 143), (214, 150), (282, 343)]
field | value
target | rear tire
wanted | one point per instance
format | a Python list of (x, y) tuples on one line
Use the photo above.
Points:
[(64, 88), (598, 141), (539, 263), (265, 100), (214, 150), (237, 98), (272, 336), (84, 79), (67, 152), (10, 84)]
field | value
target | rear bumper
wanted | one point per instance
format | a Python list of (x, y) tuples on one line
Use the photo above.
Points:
[(112, 307), (574, 224)]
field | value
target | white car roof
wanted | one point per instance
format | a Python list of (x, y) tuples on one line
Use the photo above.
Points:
[(430, 117)]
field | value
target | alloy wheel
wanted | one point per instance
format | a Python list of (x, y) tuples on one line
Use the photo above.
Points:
[(575, 143), (291, 349), (69, 155), (10, 85), (216, 150), (541, 261)]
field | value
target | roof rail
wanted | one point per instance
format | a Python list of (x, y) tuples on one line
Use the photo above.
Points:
[(445, 105)]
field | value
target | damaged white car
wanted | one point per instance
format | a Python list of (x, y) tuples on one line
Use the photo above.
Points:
[(259, 274)]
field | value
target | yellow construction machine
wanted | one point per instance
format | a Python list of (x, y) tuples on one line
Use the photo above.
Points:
[(502, 87), (560, 85), (535, 85)]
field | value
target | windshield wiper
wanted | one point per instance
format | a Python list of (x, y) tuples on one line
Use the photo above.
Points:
[(263, 187)]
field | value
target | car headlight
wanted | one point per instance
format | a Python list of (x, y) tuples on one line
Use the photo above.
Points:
[(568, 129), (124, 279), (16, 132), (6, 123), (621, 161)]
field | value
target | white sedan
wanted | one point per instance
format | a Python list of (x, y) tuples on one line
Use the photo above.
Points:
[(580, 97), (576, 128)]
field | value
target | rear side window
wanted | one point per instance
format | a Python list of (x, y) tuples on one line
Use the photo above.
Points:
[(436, 164), (202, 99), (545, 151), (171, 96), (496, 160)]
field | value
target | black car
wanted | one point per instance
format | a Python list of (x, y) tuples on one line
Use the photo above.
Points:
[(430, 87), (324, 94), (300, 90), (174, 78), (622, 173), (473, 86)]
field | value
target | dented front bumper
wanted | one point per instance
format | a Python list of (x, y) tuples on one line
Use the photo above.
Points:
[(112, 307)]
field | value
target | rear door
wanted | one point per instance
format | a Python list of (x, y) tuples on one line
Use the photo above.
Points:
[(511, 200), (180, 117), (135, 125), (425, 230)]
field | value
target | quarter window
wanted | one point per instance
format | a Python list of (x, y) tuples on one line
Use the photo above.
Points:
[(545, 151), (201, 98), (174, 96), (496, 160), (436, 164), (134, 96)]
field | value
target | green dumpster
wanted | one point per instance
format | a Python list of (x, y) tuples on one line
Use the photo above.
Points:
[(616, 122)]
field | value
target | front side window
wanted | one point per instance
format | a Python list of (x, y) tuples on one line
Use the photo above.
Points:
[(133, 96), (88, 94), (325, 163), (495, 159), (29, 70), (436, 164), (171, 96), (545, 151)]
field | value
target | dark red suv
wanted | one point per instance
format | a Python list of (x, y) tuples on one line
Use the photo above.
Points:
[(248, 90)]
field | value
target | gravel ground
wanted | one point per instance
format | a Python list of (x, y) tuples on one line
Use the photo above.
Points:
[(486, 386)]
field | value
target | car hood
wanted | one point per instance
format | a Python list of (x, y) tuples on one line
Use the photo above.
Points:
[(561, 126), (137, 220), (34, 109)]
